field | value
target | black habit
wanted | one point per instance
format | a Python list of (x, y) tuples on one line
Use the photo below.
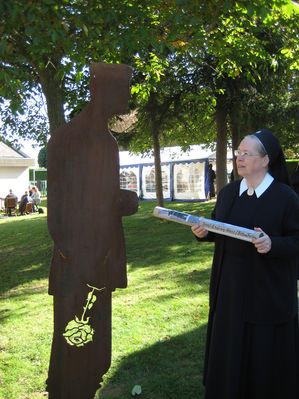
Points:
[(252, 348)]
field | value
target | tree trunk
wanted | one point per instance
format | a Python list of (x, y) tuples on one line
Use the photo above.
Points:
[(158, 170), (221, 147), (53, 90), (234, 127), (156, 145)]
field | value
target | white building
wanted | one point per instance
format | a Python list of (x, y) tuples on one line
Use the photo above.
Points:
[(14, 171)]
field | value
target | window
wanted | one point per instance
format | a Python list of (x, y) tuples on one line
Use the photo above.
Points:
[(128, 181), (150, 181)]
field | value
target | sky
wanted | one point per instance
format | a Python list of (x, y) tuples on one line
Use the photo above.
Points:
[(28, 149)]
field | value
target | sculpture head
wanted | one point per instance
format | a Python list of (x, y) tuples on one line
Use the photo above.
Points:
[(110, 87)]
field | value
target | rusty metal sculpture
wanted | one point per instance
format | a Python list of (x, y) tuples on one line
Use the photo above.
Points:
[(85, 207)]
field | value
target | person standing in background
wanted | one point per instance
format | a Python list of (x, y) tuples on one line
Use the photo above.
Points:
[(212, 177)]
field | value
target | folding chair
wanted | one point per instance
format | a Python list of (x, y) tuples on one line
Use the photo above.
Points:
[(11, 203), (28, 208)]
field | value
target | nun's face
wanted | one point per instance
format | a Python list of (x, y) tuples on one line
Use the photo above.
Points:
[(250, 163)]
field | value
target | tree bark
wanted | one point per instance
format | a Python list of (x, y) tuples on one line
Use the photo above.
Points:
[(156, 145), (234, 127), (53, 90), (158, 170), (221, 146)]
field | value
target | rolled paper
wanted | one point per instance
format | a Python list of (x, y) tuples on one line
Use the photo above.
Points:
[(215, 226)]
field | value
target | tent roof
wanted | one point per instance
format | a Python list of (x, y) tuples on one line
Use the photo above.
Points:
[(170, 154)]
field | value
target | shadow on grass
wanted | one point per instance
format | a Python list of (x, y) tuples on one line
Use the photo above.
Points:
[(25, 254), (167, 246), (23, 260), (170, 369), (26, 247), (185, 285), (161, 239), (19, 295)]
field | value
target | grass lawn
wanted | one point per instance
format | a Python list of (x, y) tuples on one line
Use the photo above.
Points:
[(159, 321)]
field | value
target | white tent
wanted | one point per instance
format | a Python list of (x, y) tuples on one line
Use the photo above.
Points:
[(184, 174)]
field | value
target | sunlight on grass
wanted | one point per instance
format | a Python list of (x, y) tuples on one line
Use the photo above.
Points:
[(159, 320)]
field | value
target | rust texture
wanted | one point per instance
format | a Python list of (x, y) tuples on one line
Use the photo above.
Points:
[(85, 209)]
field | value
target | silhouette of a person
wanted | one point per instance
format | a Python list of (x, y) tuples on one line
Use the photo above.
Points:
[(212, 177), (85, 207)]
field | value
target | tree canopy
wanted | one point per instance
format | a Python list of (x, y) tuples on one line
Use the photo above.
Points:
[(237, 70), (202, 70), (46, 45)]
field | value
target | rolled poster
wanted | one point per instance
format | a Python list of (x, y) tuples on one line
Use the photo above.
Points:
[(215, 226)]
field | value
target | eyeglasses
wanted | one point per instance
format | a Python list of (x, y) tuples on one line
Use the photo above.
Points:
[(238, 153)]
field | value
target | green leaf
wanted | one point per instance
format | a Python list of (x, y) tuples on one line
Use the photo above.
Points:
[(85, 29), (54, 36), (227, 5), (263, 12), (29, 30), (250, 10), (78, 77), (287, 52), (136, 390)]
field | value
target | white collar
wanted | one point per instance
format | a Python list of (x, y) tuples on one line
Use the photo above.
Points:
[(260, 189)]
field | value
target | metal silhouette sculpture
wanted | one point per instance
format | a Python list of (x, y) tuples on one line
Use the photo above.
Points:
[(85, 209)]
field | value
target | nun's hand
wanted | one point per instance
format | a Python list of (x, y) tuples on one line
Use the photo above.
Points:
[(199, 231), (262, 244)]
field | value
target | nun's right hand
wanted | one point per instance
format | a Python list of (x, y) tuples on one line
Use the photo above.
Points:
[(199, 231)]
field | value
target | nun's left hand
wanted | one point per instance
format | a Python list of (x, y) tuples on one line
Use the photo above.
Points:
[(262, 244)]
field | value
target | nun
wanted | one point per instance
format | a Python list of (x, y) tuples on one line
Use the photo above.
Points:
[(252, 348)]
